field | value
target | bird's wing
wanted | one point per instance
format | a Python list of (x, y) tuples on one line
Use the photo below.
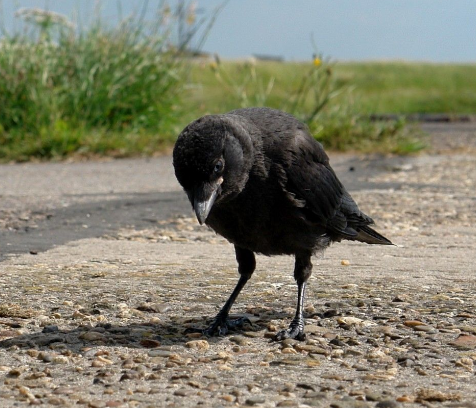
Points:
[(311, 180)]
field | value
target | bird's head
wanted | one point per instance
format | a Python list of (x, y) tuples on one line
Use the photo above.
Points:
[(212, 159)]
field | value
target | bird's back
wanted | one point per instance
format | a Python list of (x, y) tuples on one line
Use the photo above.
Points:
[(301, 183)]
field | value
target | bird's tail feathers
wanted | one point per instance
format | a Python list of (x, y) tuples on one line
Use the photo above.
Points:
[(370, 236)]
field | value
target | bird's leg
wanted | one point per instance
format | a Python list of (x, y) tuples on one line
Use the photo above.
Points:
[(221, 324), (302, 272)]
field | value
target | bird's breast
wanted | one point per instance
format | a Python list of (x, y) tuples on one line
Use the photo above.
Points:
[(265, 222)]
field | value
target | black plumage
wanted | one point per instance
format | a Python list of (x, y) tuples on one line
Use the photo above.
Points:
[(258, 178)]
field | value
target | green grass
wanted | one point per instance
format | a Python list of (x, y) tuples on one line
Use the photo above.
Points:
[(102, 91), (124, 91), (397, 87), (378, 87)]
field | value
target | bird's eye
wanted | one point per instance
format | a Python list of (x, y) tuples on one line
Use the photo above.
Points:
[(218, 167)]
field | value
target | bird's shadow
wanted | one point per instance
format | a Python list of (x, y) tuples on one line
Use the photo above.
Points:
[(135, 335)]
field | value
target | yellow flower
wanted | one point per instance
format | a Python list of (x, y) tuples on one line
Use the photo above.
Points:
[(317, 62), (213, 66)]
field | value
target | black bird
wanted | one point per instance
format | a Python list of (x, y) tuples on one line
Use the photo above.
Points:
[(258, 178)]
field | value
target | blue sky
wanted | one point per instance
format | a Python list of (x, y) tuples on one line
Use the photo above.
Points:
[(418, 30)]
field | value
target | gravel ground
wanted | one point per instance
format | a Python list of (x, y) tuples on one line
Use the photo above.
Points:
[(102, 273)]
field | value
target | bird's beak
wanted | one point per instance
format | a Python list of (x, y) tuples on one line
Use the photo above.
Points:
[(204, 198)]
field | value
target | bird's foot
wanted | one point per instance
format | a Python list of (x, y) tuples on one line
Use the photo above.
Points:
[(221, 326), (295, 331)]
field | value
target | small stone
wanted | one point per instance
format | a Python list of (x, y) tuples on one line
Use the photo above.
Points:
[(413, 323), (150, 343), (92, 336), (374, 396), (26, 392), (164, 307), (348, 402), (148, 307), (114, 403), (223, 355), (345, 262), (160, 353), (315, 395), (361, 367), (240, 340), (349, 320), (33, 353), (432, 395), (201, 345), (66, 390), (184, 392), (287, 403), (45, 357), (387, 404), (289, 342), (50, 329), (424, 328), (466, 363), (311, 349), (224, 367), (255, 400), (465, 342), (194, 335), (405, 398), (60, 360), (97, 404), (101, 361), (212, 387), (253, 334), (56, 401)]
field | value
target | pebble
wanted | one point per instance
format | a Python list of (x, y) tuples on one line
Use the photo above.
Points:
[(387, 404), (184, 392), (160, 353), (97, 404), (413, 323), (311, 349), (424, 328), (150, 343), (92, 336), (50, 329), (465, 342), (66, 390), (240, 340), (287, 403), (253, 334), (26, 392), (164, 307), (60, 360), (348, 402), (201, 345), (46, 357), (255, 400)]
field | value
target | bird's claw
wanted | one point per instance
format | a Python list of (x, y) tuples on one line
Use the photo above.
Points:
[(221, 326), (293, 332)]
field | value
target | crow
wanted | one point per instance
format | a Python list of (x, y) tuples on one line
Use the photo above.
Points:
[(258, 178)]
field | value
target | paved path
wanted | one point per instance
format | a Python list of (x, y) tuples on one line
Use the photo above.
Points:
[(102, 266)]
